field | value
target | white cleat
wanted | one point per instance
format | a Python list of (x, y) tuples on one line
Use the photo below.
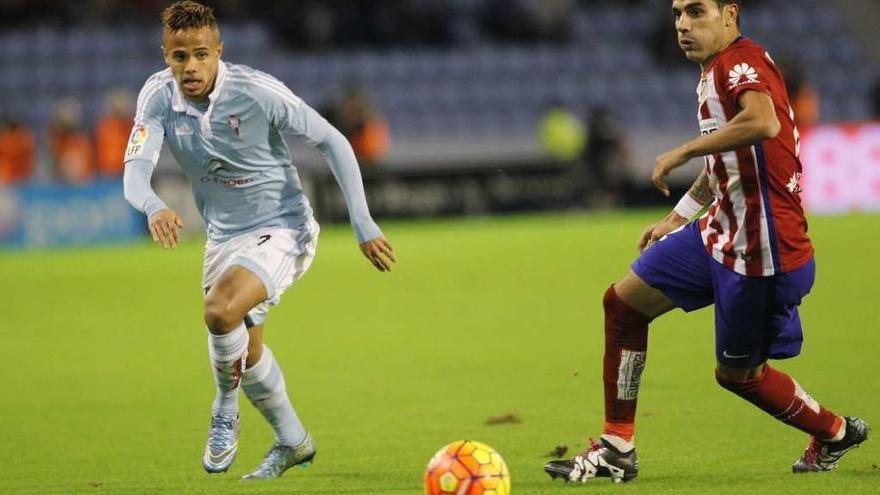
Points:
[(222, 443), (280, 458)]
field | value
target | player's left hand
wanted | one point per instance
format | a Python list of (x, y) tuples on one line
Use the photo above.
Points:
[(665, 163), (165, 226), (380, 253)]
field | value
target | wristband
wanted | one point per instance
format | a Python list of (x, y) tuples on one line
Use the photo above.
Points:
[(687, 207)]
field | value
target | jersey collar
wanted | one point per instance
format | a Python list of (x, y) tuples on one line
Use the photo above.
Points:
[(711, 65)]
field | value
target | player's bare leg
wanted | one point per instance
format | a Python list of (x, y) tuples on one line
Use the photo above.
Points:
[(228, 301), (255, 345), (263, 383), (630, 305), (640, 296), (236, 291), (779, 395)]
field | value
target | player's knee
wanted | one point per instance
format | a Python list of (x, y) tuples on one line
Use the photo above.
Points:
[(609, 298), (619, 309), (734, 379), (219, 316)]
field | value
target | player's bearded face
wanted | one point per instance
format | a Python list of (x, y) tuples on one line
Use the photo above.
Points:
[(701, 27), (193, 56)]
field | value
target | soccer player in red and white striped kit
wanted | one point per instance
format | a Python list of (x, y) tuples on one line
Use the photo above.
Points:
[(748, 254)]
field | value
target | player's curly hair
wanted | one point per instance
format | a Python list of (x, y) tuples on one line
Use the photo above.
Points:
[(187, 14)]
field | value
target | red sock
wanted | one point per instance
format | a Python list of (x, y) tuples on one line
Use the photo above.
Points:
[(626, 345), (781, 397)]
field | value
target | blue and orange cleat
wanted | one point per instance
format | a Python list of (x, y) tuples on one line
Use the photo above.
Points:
[(222, 443), (280, 458)]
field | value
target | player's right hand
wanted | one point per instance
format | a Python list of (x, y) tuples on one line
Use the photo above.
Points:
[(656, 231), (380, 253), (165, 228)]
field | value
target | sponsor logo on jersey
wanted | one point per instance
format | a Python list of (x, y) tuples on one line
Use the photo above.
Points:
[(742, 74), (138, 138), (794, 184), (708, 126), (221, 181)]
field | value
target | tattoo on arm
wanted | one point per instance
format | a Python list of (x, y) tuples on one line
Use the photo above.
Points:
[(700, 191)]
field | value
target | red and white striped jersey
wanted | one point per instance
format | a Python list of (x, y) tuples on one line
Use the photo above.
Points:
[(756, 225)]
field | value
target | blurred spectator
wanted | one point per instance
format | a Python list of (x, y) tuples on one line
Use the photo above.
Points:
[(561, 133), (71, 148), (804, 97), (522, 20), (16, 152), (604, 159), (312, 25), (64, 13), (112, 132), (317, 24), (663, 41), (357, 118)]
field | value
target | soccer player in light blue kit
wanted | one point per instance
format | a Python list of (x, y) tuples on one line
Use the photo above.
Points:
[(224, 125)]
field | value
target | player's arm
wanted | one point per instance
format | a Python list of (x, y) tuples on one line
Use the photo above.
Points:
[(147, 136), (756, 122), (340, 156), (697, 197), (288, 112), (164, 222)]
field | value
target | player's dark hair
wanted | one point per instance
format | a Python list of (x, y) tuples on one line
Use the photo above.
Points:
[(187, 14), (738, 3)]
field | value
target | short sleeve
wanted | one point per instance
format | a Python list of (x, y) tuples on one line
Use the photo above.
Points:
[(746, 70), (148, 132)]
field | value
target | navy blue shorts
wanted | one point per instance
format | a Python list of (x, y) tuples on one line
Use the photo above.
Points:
[(756, 318)]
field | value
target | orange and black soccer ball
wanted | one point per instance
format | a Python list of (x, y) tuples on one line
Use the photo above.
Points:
[(467, 468)]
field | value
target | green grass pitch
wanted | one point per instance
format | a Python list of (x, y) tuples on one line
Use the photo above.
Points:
[(107, 387)]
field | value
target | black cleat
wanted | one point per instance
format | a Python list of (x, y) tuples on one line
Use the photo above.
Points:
[(823, 456), (601, 460)]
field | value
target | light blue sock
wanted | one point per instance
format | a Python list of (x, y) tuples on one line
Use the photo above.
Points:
[(263, 383), (228, 354)]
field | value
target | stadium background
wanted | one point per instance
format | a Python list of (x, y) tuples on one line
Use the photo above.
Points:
[(461, 109)]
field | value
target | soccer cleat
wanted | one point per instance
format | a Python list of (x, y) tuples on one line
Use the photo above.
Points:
[(601, 460), (823, 456), (280, 458), (222, 443)]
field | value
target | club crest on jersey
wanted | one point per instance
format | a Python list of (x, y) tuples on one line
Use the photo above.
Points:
[(235, 123), (794, 184), (742, 74), (139, 136)]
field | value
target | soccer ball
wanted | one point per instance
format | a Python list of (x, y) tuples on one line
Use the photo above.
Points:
[(467, 468)]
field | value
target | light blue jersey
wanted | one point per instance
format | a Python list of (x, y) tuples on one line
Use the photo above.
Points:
[(233, 152)]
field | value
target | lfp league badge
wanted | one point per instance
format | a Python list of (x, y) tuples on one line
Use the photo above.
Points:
[(235, 123)]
